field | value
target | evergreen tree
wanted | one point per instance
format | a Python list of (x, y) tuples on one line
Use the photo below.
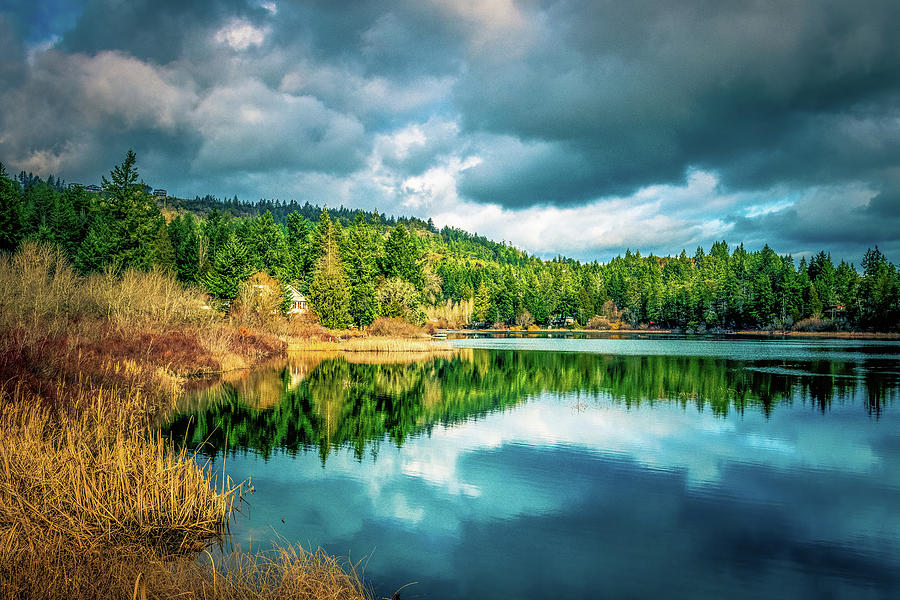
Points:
[(302, 262), (401, 257), (184, 234), (64, 224), (10, 212), (228, 270), (133, 220), (329, 294), (40, 200), (97, 251), (359, 262), (267, 246), (482, 303)]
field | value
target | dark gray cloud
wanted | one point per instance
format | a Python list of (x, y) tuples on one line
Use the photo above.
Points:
[(432, 106), (753, 90)]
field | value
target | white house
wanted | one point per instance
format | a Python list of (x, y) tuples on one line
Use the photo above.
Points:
[(299, 304)]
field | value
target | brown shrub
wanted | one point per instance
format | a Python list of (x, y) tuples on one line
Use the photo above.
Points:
[(394, 327), (598, 322), (814, 324)]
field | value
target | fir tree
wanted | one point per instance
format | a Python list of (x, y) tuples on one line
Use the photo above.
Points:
[(10, 212), (329, 295), (132, 216), (184, 235), (482, 303), (401, 257), (359, 262), (97, 251), (228, 270)]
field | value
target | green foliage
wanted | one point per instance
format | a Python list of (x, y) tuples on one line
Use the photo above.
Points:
[(401, 257), (359, 261), (482, 303), (267, 246), (398, 298), (716, 290), (11, 208), (185, 237), (126, 227), (229, 269), (329, 294)]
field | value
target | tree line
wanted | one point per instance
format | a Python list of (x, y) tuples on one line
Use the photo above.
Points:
[(355, 266)]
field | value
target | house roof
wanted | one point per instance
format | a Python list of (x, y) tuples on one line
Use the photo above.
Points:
[(295, 296)]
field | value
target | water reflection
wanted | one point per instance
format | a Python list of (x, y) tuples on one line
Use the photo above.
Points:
[(510, 474), (327, 401)]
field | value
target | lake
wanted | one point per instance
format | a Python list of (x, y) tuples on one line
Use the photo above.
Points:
[(576, 468)]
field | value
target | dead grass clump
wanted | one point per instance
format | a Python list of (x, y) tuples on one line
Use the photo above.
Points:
[(85, 479), (134, 572), (143, 299), (307, 327), (381, 344), (394, 327), (814, 325)]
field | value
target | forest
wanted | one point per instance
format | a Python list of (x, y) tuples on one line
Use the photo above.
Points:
[(354, 265)]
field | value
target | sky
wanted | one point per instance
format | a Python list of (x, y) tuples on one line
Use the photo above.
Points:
[(567, 127)]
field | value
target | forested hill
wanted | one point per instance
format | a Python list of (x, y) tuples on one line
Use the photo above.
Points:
[(474, 245), (355, 265)]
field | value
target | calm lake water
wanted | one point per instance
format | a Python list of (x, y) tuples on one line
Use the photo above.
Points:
[(562, 468)]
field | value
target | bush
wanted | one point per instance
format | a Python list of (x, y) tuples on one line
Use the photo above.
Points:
[(393, 327), (814, 325), (258, 302), (524, 320), (598, 322)]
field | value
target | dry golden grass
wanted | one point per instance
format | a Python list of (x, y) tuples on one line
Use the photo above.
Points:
[(392, 327), (138, 573), (89, 477), (386, 344)]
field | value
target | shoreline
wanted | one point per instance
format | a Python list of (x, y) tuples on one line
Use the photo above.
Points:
[(861, 335)]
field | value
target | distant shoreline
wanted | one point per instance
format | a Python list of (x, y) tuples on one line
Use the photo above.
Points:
[(851, 335)]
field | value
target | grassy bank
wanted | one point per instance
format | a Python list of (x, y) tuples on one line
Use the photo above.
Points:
[(384, 335), (93, 504)]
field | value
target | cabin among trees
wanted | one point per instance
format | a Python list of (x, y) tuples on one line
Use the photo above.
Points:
[(297, 302)]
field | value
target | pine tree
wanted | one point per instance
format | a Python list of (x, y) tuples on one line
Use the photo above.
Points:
[(132, 216), (10, 212), (482, 303), (329, 294), (401, 257), (228, 270), (359, 262)]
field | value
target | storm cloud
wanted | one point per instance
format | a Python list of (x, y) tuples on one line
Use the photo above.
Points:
[(642, 124)]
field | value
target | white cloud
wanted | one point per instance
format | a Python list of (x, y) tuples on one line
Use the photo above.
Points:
[(240, 34), (249, 127), (660, 216)]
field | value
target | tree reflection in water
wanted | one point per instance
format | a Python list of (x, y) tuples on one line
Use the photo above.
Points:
[(328, 400)]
